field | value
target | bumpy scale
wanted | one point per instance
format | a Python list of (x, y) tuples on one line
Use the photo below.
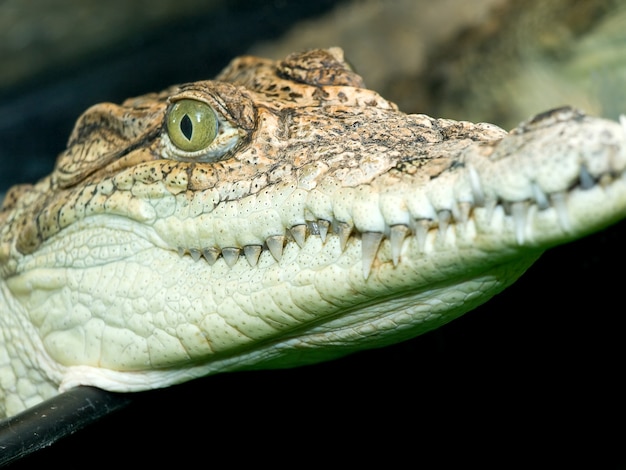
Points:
[(279, 215)]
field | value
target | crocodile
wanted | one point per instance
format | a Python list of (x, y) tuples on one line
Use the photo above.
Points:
[(279, 215)]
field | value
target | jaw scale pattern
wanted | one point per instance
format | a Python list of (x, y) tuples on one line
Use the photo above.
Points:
[(479, 190)]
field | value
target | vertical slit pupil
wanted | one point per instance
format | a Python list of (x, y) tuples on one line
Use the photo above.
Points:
[(186, 126)]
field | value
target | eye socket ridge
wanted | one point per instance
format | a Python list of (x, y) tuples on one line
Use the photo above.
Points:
[(192, 125)]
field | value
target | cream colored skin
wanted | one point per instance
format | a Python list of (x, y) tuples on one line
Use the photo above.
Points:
[(319, 221)]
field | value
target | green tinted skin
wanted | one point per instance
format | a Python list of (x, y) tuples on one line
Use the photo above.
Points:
[(191, 125)]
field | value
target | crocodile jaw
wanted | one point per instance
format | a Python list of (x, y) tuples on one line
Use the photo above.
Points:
[(150, 306), (125, 333)]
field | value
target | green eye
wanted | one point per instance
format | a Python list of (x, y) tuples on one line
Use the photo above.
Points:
[(191, 125)]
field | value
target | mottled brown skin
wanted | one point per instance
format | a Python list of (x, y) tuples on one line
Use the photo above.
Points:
[(109, 139)]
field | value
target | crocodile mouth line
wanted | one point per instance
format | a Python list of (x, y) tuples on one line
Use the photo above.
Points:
[(422, 229)]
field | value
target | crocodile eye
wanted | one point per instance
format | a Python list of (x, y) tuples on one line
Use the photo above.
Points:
[(192, 125)]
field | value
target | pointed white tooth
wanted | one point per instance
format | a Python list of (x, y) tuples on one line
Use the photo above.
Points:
[(476, 185), (252, 253), (344, 230), (298, 232), (195, 254), (370, 241), (443, 217), (585, 178), (540, 197), (490, 206), (397, 234), (519, 210), (230, 255), (322, 226), (464, 211), (455, 211), (313, 228), (421, 231), (559, 202), (275, 244), (211, 255), (181, 251)]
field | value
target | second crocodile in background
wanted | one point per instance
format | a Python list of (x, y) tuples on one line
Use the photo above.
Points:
[(279, 215)]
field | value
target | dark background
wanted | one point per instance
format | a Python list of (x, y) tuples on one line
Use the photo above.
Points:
[(533, 377)]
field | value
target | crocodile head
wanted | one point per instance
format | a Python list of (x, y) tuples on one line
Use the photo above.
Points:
[(279, 215)]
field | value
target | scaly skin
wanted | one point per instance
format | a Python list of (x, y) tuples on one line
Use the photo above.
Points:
[(319, 221)]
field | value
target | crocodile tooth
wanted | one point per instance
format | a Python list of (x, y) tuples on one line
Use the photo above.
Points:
[(344, 230), (230, 255), (490, 207), (298, 232), (559, 203), (252, 253), (181, 251), (313, 227), (397, 235), (322, 226), (585, 178), (421, 231), (455, 211), (443, 217), (211, 255), (195, 254), (464, 211), (540, 197), (477, 189), (370, 241), (519, 210), (275, 244)]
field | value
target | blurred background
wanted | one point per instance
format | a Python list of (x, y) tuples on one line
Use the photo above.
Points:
[(546, 356)]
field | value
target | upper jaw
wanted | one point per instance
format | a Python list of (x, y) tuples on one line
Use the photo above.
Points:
[(553, 179)]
